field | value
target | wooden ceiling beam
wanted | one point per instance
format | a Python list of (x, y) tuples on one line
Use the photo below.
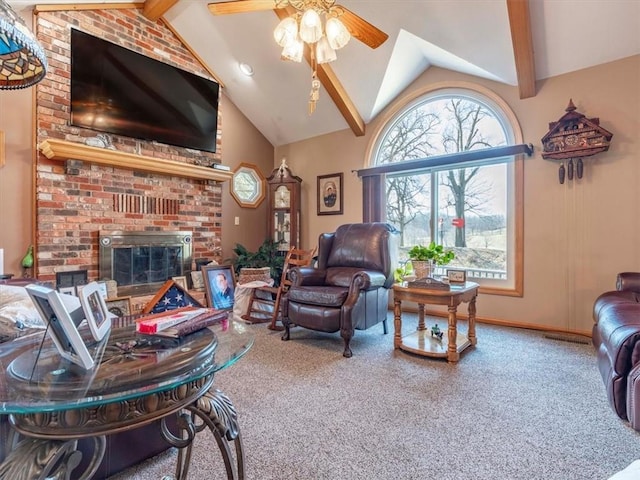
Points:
[(332, 85), (522, 40), (154, 9)]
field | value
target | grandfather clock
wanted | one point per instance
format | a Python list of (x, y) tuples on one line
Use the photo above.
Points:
[(283, 196)]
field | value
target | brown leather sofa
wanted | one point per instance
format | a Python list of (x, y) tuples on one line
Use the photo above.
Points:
[(616, 337), (349, 287)]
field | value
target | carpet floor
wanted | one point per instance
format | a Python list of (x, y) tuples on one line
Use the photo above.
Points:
[(517, 406)]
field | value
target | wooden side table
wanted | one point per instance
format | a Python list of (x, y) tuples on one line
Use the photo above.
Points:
[(421, 342)]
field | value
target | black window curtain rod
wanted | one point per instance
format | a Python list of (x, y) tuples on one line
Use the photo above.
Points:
[(449, 159)]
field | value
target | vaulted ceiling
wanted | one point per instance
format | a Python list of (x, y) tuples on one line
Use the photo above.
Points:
[(514, 42)]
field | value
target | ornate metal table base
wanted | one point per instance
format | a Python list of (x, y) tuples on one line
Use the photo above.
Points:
[(43, 458), (36, 459), (213, 410)]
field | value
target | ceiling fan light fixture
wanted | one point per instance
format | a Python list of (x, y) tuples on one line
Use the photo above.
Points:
[(337, 34), (310, 26), (324, 52), (286, 31), (293, 50)]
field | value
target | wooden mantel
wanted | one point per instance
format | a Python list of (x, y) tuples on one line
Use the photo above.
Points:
[(55, 149)]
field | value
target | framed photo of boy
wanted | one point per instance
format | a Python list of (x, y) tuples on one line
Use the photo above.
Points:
[(219, 286), (330, 194)]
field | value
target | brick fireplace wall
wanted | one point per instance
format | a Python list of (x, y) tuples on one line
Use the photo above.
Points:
[(74, 205)]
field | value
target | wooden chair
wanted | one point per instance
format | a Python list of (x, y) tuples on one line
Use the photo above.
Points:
[(262, 296)]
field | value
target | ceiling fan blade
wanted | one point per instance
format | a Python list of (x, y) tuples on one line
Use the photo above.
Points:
[(241, 6), (360, 28)]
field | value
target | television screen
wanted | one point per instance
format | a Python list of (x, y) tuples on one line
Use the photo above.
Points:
[(118, 91)]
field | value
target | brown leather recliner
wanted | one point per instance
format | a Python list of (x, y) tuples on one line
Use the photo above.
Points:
[(349, 287)]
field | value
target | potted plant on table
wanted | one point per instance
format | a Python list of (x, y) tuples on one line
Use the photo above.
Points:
[(424, 259), (267, 255)]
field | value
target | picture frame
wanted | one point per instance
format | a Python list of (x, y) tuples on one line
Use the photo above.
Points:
[(119, 306), (95, 310), (330, 194), (182, 281), (456, 276), (219, 286), (197, 280), (62, 314)]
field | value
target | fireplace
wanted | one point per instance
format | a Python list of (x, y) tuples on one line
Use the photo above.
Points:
[(140, 262)]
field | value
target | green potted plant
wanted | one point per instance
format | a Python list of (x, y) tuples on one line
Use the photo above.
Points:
[(267, 255), (424, 258)]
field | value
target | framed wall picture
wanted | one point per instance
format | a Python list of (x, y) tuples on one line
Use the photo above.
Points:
[(330, 194), (219, 286)]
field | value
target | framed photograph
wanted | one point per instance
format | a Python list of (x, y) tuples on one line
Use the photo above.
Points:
[(62, 314), (182, 281), (330, 195), (219, 286), (95, 310), (119, 306), (456, 276), (197, 280)]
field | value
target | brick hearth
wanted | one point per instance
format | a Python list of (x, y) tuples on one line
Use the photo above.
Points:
[(75, 201)]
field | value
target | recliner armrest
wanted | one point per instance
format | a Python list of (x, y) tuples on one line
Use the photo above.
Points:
[(372, 279), (307, 276), (628, 281)]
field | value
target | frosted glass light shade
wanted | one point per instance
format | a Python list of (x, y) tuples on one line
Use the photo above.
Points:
[(310, 26), (337, 33), (324, 52), (293, 50), (286, 31)]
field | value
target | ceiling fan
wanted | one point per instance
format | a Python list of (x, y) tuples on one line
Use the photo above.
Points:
[(356, 25)]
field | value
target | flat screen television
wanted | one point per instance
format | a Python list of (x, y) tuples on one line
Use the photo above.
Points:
[(118, 91)]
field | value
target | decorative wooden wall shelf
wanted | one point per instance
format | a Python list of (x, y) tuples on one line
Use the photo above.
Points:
[(572, 137), (55, 149)]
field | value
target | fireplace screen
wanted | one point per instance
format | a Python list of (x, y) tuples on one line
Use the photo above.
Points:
[(140, 262)]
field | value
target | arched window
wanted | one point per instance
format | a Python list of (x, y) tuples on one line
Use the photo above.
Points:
[(473, 208)]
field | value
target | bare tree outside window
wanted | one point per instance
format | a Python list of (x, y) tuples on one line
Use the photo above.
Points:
[(453, 202)]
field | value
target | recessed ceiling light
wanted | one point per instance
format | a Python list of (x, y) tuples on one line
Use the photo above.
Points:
[(246, 69)]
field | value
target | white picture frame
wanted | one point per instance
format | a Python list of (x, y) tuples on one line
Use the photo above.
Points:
[(95, 309), (62, 314)]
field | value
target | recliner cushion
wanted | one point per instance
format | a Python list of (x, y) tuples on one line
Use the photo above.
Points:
[(318, 295)]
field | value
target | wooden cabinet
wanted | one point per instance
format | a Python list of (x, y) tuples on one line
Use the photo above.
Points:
[(283, 196)]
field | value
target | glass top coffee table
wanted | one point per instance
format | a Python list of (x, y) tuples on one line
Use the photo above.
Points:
[(52, 402)]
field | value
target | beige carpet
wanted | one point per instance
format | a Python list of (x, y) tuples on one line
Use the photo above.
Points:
[(517, 406)]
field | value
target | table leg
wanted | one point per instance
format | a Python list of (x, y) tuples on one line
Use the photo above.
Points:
[(472, 322), (452, 350), (421, 324), (397, 323), (216, 412), (38, 459)]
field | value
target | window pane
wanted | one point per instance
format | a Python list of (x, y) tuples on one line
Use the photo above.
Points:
[(470, 210)]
